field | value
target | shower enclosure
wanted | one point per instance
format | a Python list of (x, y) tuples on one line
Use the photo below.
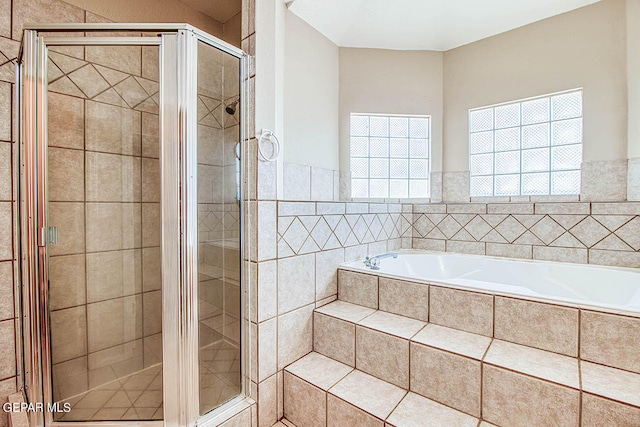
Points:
[(131, 219)]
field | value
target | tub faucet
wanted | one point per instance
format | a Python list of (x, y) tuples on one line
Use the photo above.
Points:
[(374, 261)]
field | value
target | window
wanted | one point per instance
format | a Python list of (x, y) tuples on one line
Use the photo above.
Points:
[(528, 147), (389, 156)]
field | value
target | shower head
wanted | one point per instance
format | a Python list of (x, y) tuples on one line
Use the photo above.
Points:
[(231, 108)]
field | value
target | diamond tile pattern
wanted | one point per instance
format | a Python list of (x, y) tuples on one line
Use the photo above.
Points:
[(619, 233), (72, 76), (313, 233)]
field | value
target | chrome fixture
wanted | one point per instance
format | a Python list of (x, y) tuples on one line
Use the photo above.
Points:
[(231, 108), (374, 261)]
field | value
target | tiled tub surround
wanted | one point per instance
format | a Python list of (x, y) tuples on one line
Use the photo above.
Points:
[(578, 232), (454, 357)]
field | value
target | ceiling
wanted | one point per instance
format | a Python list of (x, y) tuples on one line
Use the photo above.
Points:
[(220, 10), (422, 24)]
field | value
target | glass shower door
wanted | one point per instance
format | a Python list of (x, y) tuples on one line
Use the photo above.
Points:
[(105, 304), (218, 226)]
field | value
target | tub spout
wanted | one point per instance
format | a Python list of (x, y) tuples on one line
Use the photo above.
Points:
[(374, 261)]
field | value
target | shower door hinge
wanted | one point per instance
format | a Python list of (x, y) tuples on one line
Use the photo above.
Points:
[(48, 235)]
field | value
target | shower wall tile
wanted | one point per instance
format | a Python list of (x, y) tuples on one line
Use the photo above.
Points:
[(112, 129), (115, 226), (69, 218), (70, 378), (66, 121), (26, 11), (150, 180), (151, 269), (6, 291), (7, 350), (151, 224), (5, 111), (112, 178), (68, 334), (114, 322), (5, 171), (152, 312), (150, 136), (113, 274), (66, 175), (6, 238), (67, 281), (127, 59)]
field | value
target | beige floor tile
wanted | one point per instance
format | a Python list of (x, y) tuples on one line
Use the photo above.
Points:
[(538, 363), (613, 383), (453, 340), (319, 370), (417, 411), (368, 393), (346, 311), (393, 324)]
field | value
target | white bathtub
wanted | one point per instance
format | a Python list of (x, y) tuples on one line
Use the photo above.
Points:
[(604, 288)]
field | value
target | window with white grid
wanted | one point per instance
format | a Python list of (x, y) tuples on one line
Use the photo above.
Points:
[(389, 156), (529, 147)]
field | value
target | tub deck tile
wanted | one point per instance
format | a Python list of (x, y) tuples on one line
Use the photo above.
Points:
[(393, 324), (346, 311), (623, 386), (537, 363), (453, 340)]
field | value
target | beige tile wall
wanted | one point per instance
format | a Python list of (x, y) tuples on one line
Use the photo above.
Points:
[(579, 232)]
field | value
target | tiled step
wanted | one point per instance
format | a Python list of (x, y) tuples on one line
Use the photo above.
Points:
[(505, 383), (319, 391)]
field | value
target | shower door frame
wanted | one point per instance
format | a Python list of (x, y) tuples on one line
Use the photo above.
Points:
[(178, 137)]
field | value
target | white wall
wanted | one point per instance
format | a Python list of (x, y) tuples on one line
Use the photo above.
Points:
[(393, 82), (633, 73), (310, 96), (583, 48)]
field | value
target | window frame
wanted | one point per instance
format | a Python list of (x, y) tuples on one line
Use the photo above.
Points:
[(551, 172), (389, 156)]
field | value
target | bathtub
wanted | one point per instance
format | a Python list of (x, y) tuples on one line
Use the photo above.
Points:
[(585, 286)]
